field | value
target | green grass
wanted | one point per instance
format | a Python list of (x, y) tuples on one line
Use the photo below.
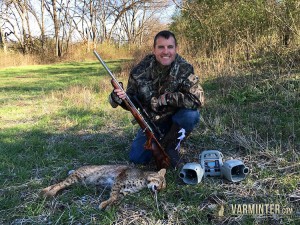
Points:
[(56, 118)]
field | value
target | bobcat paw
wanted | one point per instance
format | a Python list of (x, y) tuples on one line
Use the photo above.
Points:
[(103, 205), (48, 192)]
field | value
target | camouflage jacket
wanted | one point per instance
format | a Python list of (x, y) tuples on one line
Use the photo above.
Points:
[(149, 79)]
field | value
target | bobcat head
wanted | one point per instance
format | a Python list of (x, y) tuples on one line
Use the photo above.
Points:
[(157, 180)]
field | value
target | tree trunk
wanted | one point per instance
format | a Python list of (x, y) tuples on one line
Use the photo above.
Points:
[(43, 27), (2, 40), (56, 29)]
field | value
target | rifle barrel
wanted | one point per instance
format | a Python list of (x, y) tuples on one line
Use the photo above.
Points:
[(120, 87), (106, 68)]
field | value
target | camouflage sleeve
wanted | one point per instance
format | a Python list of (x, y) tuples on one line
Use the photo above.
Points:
[(114, 100), (190, 95), (131, 87)]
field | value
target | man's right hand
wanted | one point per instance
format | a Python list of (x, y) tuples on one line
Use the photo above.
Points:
[(120, 93), (116, 96)]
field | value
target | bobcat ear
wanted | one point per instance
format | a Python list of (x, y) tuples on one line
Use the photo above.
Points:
[(162, 172)]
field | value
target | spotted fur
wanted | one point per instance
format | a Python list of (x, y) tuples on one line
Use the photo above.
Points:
[(122, 179)]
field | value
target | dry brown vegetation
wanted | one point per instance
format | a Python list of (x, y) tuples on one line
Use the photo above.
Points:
[(77, 53)]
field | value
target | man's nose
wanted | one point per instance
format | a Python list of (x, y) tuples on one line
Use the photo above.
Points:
[(165, 50)]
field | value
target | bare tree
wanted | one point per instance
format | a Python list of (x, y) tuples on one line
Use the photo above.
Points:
[(56, 28), (2, 39), (87, 21), (43, 25), (89, 15), (93, 15), (21, 7), (138, 20), (2, 34), (11, 22)]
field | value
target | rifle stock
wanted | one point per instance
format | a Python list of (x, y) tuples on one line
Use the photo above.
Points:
[(161, 158)]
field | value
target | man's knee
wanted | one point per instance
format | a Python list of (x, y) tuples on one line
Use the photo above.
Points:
[(187, 118)]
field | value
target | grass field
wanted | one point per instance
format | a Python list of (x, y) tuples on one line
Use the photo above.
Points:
[(55, 118)]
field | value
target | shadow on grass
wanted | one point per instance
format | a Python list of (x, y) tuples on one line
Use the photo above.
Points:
[(23, 151)]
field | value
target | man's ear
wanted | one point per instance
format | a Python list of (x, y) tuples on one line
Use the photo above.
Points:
[(162, 172)]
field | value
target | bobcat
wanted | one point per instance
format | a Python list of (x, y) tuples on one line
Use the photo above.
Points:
[(122, 179)]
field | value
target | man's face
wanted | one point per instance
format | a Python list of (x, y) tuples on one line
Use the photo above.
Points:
[(165, 50)]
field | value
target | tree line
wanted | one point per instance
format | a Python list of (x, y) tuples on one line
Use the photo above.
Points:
[(37, 25), (241, 30), (238, 30)]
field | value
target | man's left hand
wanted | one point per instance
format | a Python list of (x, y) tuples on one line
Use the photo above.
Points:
[(157, 103)]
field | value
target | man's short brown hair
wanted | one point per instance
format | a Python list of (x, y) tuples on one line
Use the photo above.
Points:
[(165, 34)]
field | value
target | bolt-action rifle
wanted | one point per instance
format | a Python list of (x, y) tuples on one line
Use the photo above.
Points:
[(161, 158)]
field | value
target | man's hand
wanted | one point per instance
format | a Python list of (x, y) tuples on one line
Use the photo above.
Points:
[(120, 93), (157, 103), (116, 96)]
